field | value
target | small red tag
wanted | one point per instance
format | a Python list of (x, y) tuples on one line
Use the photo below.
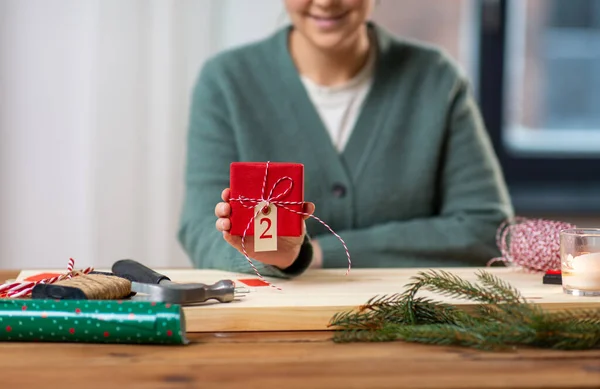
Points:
[(553, 271), (42, 276), (253, 282)]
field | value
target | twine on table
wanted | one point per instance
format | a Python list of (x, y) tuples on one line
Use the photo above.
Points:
[(99, 286), (275, 200), (24, 288), (533, 244)]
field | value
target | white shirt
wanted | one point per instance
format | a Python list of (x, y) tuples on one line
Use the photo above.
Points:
[(340, 105)]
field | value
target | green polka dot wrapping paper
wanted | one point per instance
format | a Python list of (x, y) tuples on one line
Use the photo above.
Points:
[(91, 321)]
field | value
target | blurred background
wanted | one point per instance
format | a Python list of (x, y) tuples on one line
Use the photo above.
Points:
[(94, 98)]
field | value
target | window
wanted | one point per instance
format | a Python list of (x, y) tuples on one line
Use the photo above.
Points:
[(553, 78), (539, 80)]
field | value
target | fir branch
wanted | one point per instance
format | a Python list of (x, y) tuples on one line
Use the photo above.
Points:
[(441, 334), (510, 302), (355, 321), (446, 284), (450, 285), (501, 336), (382, 310), (581, 316), (427, 311), (502, 319), (502, 288)]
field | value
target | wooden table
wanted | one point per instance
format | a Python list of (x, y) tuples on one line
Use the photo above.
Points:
[(287, 360)]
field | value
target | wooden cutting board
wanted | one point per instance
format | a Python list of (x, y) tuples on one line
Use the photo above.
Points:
[(308, 302)]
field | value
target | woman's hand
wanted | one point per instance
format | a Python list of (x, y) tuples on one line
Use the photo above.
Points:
[(288, 247)]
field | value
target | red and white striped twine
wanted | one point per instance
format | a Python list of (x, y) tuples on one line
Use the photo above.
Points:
[(270, 199), (24, 289), (533, 244), (70, 267)]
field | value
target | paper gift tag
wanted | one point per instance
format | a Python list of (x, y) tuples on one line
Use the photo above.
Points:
[(265, 227)]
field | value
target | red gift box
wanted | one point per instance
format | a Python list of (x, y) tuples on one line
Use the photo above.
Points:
[(284, 183)]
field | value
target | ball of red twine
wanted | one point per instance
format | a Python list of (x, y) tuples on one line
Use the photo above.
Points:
[(533, 244)]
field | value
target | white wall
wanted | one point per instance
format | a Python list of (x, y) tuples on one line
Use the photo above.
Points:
[(94, 101), (240, 22), (46, 113)]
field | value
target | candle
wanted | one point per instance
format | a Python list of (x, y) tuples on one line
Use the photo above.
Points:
[(580, 258), (582, 272)]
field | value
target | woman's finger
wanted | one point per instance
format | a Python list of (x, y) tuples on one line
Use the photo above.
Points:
[(223, 224), (222, 210), (225, 194)]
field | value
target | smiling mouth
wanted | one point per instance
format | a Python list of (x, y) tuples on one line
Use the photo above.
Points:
[(329, 18)]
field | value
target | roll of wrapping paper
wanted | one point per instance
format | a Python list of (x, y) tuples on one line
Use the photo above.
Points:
[(91, 321)]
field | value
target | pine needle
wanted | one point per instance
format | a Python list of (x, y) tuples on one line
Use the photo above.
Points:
[(502, 319)]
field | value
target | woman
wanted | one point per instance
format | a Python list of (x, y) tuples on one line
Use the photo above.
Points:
[(397, 160)]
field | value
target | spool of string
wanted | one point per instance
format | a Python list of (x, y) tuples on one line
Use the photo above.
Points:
[(95, 286), (532, 244)]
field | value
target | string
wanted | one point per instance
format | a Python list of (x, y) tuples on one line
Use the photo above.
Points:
[(99, 286), (23, 289), (533, 244), (275, 200)]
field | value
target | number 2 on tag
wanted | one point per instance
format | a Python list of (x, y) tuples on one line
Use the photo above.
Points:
[(265, 227)]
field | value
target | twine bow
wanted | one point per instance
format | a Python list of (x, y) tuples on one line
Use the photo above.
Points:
[(24, 289), (276, 200)]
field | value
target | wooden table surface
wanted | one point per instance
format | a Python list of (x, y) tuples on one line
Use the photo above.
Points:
[(288, 360)]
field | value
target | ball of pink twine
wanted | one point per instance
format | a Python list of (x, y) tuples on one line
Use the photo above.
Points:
[(533, 244)]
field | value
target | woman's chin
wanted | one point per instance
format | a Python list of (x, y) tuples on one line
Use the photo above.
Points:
[(331, 42)]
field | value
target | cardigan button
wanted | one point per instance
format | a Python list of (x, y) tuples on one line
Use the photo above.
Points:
[(339, 190)]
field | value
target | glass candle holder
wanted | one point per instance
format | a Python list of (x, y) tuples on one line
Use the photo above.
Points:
[(580, 261)]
